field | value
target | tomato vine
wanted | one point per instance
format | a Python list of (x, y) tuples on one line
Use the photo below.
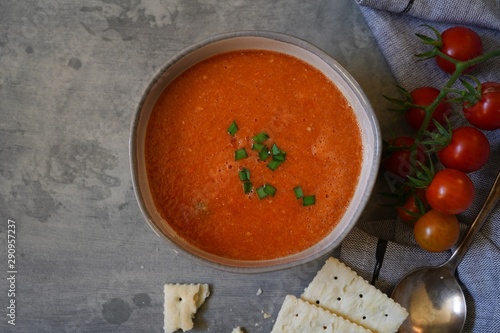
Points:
[(449, 191)]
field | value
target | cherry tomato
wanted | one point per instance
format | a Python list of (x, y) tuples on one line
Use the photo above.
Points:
[(467, 151), (460, 43), (450, 191), (410, 212), (485, 114), (424, 96), (398, 162), (436, 232)]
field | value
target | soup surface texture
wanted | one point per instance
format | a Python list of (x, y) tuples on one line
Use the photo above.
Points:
[(190, 155)]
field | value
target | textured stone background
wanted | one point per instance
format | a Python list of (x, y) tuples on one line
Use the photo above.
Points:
[(71, 76)]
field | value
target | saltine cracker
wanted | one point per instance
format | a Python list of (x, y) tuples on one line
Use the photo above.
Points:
[(340, 290), (298, 316), (181, 303)]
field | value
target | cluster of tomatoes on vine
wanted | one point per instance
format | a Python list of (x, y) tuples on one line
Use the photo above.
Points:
[(429, 199)]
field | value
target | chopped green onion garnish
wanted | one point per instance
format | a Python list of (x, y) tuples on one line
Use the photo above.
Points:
[(261, 137), (240, 154), (261, 192), (247, 187), (258, 146), (308, 200), (264, 154), (275, 150), (233, 128), (274, 164), (278, 154), (270, 189), (244, 174), (298, 192), (280, 157)]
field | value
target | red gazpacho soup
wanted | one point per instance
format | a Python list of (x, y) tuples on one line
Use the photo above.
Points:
[(252, 155)]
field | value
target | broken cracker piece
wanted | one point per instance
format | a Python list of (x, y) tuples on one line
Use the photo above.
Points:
[(181, 303)]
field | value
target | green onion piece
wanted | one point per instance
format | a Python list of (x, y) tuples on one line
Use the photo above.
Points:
[(278, 154), (258, 146), (233, 128), (280, 157), (274, 164), (298, 192), (261, 192), (270, 189), (240, 154), (247, 187), (308, 200), (264, 154), (244, 174), (261, 137), (275, 150)]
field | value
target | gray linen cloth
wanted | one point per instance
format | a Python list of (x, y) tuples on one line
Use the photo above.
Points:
[(384, 260)]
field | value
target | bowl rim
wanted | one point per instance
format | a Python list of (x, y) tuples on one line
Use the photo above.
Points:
[(257, 266)]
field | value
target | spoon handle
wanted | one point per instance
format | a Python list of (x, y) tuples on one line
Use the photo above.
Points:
[(464, 245)]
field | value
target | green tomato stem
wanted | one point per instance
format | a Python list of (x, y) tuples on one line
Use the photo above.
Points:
[(408, 105), (460, 68), (481, 58)]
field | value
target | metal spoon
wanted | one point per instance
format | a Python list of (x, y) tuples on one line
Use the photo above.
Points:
[(432, 295)]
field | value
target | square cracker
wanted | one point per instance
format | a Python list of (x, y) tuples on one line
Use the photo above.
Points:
[(339, 289), (298, 316), (181, 303)]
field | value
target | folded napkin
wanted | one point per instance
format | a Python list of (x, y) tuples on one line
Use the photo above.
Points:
[(384, 261)]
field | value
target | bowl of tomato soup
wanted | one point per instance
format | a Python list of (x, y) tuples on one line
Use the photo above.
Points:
[(253, 151)]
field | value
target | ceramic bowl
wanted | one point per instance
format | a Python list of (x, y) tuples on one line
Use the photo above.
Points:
[(298, 48)]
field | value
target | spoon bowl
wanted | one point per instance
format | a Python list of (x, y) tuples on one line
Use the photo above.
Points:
[(431, 295), (436, 302)]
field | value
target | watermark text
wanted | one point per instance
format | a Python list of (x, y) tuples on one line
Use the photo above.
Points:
[(11, 272)]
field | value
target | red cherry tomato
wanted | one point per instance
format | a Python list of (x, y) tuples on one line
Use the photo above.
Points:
[(398, 163), (450, 191), (467, 151), (410, 212), (485, 114), (436, 232), (424, 96), (460, 43)]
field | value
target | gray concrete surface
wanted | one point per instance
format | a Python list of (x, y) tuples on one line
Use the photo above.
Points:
[(71, 75)]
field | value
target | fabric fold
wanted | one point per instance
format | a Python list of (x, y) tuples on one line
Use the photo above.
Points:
[(481, 13)]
